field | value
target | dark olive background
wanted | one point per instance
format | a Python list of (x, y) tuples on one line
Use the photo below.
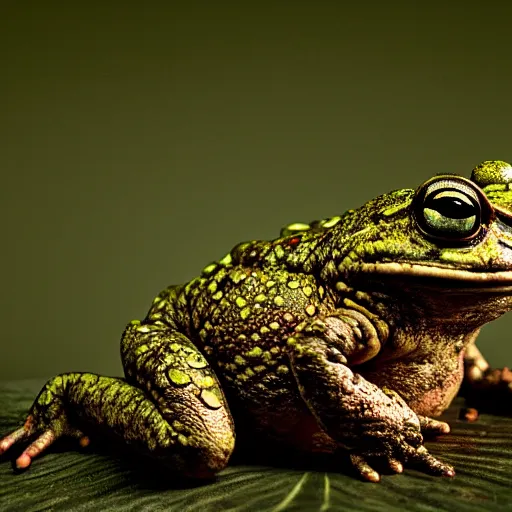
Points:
[(139, 143)]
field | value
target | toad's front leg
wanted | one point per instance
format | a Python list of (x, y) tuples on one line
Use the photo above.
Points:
[(374, 424), (170, 407)]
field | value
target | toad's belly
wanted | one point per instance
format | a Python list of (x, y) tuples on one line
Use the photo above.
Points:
[(284, 420), (427, 387), (284, 417)]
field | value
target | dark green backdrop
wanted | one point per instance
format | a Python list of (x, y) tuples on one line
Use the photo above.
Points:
[(139, 143)]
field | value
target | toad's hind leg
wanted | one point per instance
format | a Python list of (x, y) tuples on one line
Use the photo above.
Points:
[(193, 430), (170, 407)]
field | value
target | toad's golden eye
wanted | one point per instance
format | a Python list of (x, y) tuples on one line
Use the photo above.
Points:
[(449, 208)]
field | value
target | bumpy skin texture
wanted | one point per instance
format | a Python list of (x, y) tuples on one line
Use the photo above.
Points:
[(341, 334)]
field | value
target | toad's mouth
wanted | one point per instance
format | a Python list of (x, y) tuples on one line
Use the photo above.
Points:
[(440, 277)]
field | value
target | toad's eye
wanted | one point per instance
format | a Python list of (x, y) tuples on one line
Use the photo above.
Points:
[(449, 208), (451, 213)]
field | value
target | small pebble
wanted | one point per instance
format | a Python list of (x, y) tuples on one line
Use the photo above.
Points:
[(469, 414)]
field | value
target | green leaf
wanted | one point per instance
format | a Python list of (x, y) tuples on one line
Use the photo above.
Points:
[(72, 480)]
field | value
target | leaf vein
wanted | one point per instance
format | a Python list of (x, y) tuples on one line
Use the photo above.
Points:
[(291, 495)]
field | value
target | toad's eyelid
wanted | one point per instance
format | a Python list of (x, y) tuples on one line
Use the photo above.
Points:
[(451, 194), (452, 186)]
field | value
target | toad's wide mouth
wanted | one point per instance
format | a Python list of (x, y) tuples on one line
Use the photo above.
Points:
[(441, 277)]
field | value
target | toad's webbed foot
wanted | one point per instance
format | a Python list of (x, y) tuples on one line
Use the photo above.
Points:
[(390, 451), (46, 422)]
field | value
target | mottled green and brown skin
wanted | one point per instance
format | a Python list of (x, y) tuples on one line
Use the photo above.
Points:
[(346, 333)]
